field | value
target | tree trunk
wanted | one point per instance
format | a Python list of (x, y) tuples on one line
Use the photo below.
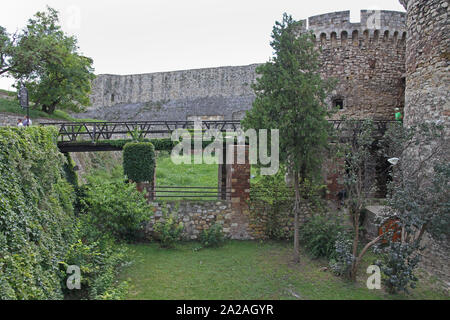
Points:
[(52, 108), (296, 223), (358, 259), (355, 244)]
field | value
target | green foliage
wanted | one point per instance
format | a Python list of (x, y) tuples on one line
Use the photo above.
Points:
[(418, 198), (343, 259), (115, 208), (139, 161), (319, 236), (398, 264), (36, 214), (39, 233), (48, 63), (212, 237), (69, 170), (100, 261), (12, 106), (271, 199), (358, 152), (168, 230)]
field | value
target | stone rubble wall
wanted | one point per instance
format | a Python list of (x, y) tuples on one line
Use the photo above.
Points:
[(197, 216), (10, 119)]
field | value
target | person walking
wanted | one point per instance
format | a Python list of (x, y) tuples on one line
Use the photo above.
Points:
[(27, 121), (19, 123)]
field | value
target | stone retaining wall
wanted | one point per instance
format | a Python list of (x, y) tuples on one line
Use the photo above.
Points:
[(197, 216), (10, 119)]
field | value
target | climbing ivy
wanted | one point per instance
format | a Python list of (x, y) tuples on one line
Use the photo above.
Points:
[(36, 213)]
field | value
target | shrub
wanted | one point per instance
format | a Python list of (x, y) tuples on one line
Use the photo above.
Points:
[(213, 237), (100, 260), (115, 208), (139, 161), (271, 197), (319, 236), (398, 263), (168, 230), (343, 261)]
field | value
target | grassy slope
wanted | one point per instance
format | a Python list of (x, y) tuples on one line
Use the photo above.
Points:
[(243, 270), (12, 106)]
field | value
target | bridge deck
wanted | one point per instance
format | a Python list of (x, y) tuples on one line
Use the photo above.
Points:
[(84, 136)]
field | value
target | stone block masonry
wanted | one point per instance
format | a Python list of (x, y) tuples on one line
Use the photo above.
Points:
[(238, 222)]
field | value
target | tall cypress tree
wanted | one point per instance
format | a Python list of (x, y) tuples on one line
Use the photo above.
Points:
[(290, 96)]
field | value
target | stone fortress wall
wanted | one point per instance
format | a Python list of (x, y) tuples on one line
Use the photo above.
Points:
[(428, 92), (427, 60), (368, 59), (216, 93)]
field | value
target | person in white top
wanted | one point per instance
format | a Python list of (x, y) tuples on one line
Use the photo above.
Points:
[(19, 123)]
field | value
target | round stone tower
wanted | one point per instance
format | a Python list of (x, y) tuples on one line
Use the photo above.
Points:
[(367, 59), (427, 92), (427, 60)]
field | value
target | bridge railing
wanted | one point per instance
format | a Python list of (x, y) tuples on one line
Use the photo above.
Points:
[(95, 131)]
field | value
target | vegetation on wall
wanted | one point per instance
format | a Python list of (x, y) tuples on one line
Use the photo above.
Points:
[(40, 234), (36, 214)]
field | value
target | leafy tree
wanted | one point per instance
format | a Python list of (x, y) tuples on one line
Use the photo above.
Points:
[(290, 96), (47, 61), (356, 145), (418, 198)]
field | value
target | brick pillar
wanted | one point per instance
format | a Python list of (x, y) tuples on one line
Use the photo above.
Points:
[(332, 178), (238, 176), (148, 187)]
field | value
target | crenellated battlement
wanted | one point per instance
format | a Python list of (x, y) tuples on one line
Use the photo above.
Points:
[(375, 25)]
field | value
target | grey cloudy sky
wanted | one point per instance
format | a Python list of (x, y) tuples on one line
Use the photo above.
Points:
[(137, 36)]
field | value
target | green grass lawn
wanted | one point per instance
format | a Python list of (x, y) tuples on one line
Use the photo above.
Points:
[(185, 175), (243, 270), (171, 174)]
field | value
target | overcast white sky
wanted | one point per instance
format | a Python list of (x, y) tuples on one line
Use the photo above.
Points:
[(142, 36)]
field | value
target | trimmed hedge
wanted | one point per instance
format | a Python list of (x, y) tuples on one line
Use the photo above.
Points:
[(139, 161), (162, 144)]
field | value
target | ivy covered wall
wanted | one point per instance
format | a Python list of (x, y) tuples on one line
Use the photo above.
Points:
[(36, 213)]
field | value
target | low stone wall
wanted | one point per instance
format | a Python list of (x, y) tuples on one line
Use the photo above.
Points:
[(10, 119), (197, 216)]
